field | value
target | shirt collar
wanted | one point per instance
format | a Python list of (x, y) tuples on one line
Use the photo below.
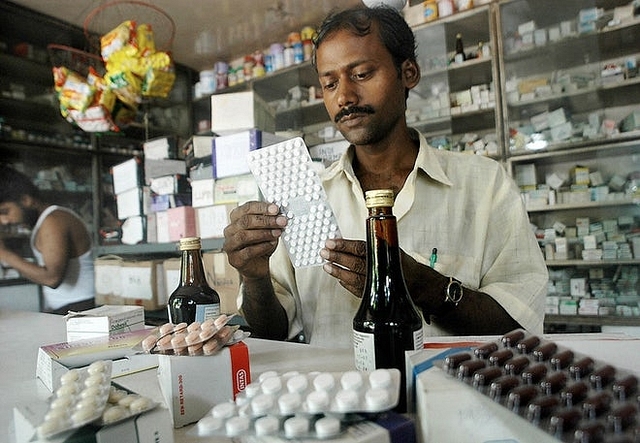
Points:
[(428, 161)]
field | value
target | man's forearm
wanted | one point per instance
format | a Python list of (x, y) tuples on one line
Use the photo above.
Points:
[(476, 314), (262, 310)]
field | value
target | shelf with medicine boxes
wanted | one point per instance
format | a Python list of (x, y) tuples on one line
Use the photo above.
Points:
[(570, 77), (455, 104), (585, 207), (290, 96), (70, 166)]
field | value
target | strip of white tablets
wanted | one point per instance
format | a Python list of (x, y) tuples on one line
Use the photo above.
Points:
[(286, 176)]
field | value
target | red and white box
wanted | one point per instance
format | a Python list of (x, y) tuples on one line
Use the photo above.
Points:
[(192, 385), (182, 222)]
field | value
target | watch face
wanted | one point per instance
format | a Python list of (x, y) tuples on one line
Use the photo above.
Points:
[(455, 290)]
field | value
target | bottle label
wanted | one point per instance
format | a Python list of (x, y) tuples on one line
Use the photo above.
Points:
[(205, 312), (365, 352)]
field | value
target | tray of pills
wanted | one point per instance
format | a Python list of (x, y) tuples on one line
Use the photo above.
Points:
[(286, 176), (571, 396), (303, 405)]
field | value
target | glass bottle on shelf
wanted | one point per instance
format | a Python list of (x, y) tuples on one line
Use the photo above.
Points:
[(387, 322), (193, 299), (459, 56)]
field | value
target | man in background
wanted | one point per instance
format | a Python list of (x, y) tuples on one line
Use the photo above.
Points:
[(59, 240)]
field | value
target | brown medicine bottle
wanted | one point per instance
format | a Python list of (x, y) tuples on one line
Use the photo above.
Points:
[(193, 299), (387, 322)]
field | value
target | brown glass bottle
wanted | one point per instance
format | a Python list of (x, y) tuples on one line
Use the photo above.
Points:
[(193, 299), (387, 322), (459, 56)]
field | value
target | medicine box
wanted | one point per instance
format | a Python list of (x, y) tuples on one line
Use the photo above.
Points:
[(238, 111), (192, 385), (229, 156), (134, 230), (237, 189), (170, 184), (104, 320), (143, 284), (129, 203), (198, 147), (202, 192), (160, 148), (182, 222), (56, 359), (127, 175), (154, 168), (224, 278), (211, 220)]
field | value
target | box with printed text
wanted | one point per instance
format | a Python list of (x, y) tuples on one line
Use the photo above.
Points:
[(192, 385), (104, 320)]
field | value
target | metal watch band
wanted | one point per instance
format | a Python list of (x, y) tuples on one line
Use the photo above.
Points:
[(447, 293)]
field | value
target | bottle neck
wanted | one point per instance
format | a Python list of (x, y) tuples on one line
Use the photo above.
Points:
[(384, 273), (192, 268)]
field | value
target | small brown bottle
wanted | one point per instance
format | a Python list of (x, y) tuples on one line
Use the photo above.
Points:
[(387, 322), (459, 56), (193, 299)]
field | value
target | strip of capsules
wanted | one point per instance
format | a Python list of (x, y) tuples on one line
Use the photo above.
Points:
[(197, 338), (573, 397)]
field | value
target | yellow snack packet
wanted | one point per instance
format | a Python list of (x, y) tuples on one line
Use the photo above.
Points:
[(122, 35)]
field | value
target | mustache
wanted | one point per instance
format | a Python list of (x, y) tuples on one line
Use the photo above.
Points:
[(344, 112)]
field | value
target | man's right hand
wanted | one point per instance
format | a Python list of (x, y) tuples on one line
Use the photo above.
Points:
[(252, 236)]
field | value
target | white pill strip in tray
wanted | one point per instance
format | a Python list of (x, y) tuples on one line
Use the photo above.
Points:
[(286, 176)]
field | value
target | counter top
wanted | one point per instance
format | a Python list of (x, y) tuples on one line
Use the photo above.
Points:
[(24, 332)]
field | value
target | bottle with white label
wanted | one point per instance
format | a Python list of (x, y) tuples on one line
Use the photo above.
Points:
[(387, 322), (193, 299)]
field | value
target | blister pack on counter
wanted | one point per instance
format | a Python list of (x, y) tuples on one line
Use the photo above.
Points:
[(570, 396), (286, 176), (310, 405), (86, 396), (206, 338), (80, 399)]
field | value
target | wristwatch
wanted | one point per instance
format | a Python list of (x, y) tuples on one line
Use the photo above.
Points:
[(453, 293)]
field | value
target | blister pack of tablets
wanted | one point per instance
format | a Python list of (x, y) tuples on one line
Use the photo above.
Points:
[(123, 404), (303, 405), (286, 176), (197, 338), (80, 399), (571, 396), (85, 396)]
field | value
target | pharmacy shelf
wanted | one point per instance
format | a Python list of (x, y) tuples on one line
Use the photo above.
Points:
[(591, 320), (593, 263), (585, 205), (153, 249)]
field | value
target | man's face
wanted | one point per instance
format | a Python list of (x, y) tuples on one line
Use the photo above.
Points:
[(13, 213), (361, 87)]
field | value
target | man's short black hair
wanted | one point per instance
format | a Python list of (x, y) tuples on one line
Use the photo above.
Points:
[(14, 185), (394, 32)]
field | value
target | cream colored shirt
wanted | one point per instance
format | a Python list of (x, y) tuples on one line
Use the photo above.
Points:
[(464, 205)]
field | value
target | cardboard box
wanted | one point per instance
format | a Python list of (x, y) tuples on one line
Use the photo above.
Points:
[(56, 359), (154, 168), (211, 220), (170, 185), (134, 230), (129, 203), (238, 189), (143, 284), (198, 147), (224, 278), (104, 320), (191, 386), (127, 175), (160, 148), (229, 156), (238, 111), (182, 222), (107, 280), (162, 227), (202, 192), (171, 268)]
